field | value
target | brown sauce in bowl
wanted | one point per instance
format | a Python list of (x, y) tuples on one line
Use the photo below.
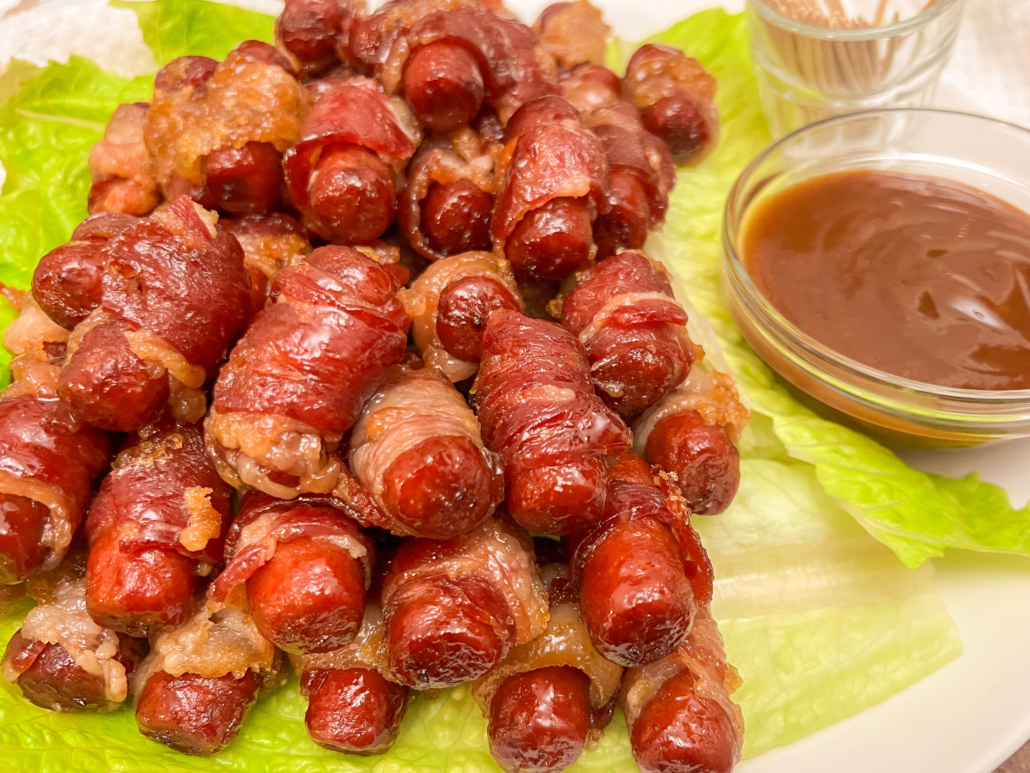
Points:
[(920, 277)]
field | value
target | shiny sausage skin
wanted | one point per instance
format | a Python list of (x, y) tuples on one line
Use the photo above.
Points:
[(464, 309), (67, 283), (194, 714), (444, 86), (22, 521), (440, 487), (551, 242), (679, 123), (243, 181), (309, 597), (704, 459), (539, 720), (316, 31), (57, 683), (679, 731), (442, 631), (352, 191), (138, 590), (626, 225), (353, 710), (635, 598), (106, 385), (456, 217)]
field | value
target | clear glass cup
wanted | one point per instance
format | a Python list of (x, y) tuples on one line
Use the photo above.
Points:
[(807, 71), (981, 152)]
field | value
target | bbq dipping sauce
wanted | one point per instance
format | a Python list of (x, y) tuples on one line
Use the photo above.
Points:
[(920, 277), (879, 263)]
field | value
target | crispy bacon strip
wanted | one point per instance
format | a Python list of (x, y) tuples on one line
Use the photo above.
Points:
[(270, 244), (299, 377), (121, 167), (155, 528), (573, 33), (633, 329), (538, 409)]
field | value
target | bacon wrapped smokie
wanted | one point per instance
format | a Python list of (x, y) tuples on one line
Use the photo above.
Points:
[(450, 58), (538, 409), (120, 165), (299, 377), (60, 658), (554, 183), (573, 33), (351, 705), (675, 97), (195, 687), (625, 315), (217, 131), (446, 206), (68, 281), (552, 697), (301, 568), (454, 608), (175, 293), (691, 434), (451, 302), (417, 449), (318, 33), (270, 244), (48, 459), (642, 572), (154, 529), (342, 172), (680, 714)]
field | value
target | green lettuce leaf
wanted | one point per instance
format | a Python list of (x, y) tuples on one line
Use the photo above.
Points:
[(174, 28), (877, 627), (917, 515)]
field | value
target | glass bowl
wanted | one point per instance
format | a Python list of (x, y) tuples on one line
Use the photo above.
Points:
[(987, 154)]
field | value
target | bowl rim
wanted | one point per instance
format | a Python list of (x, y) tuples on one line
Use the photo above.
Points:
[(737, 274), (902, 27)]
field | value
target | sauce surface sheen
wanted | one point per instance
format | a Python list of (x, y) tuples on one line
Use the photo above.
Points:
[(920, 277)]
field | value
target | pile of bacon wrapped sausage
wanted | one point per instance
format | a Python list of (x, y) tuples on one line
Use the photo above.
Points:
[(221, 445)]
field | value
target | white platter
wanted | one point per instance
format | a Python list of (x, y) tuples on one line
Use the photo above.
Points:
[(972, 714)]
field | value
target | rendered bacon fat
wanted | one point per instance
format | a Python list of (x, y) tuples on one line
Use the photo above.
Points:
[(351, 705), (552, 697), (446, 206), (299, 377), (625, 315), (121, 167), (270, 244), (341, 171), (301, 568), (573, 33), (195, 687), (675, 97), (454, 608), (60, 658), (554, 182), (155, 528), (538, 409), (451, 57), (417, 449), (642, 572), (68, 281), (679, 711), (175, 292), (218, 134), (691, 434), (451, 302)]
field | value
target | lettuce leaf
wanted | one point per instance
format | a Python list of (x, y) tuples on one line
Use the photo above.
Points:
[(821, 620), (173, 28), (917, 515)]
